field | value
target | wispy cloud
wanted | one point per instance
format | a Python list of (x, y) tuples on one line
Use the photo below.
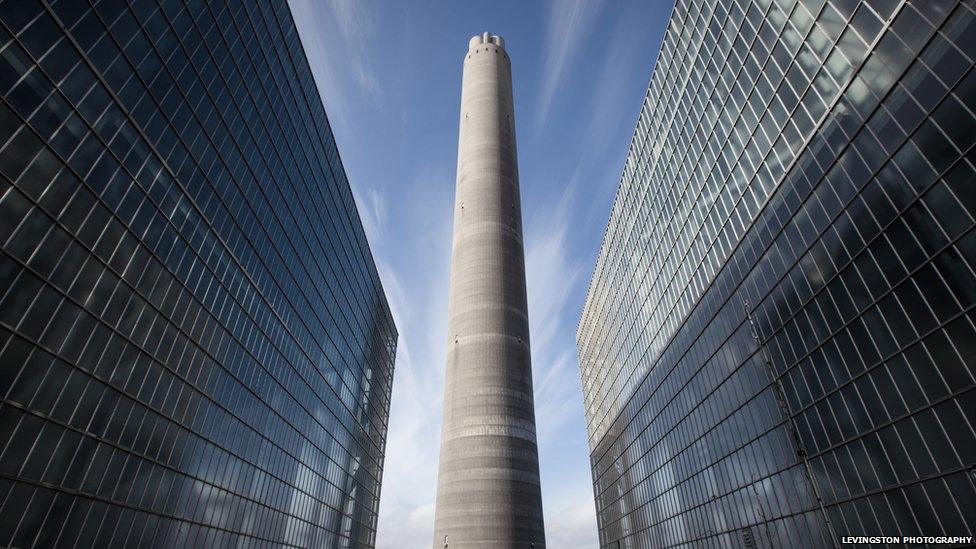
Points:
[(330, 26), (567, 27), (372, 212), (557, 269), (609, 110), (573, 524), (555, 283), (406, 508), (552, 278), (612, 103), (355, 23), (416, 283)]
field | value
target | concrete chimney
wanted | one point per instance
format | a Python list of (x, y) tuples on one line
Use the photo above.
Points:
[(488, 489)]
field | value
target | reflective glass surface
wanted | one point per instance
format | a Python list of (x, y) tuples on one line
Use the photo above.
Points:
[(778, 344), (195, 348)]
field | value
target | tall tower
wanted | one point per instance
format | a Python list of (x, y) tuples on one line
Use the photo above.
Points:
[(488, 492)]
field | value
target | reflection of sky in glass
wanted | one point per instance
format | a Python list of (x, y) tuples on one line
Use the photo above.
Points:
[(800, 256), (190, 308)]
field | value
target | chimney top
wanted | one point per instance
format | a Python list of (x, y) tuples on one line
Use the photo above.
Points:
[(486, 38)]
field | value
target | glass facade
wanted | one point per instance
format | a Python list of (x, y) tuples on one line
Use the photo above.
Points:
[(779, 341), (195, 348)]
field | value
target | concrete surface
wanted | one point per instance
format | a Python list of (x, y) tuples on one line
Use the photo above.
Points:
[(488, 491)]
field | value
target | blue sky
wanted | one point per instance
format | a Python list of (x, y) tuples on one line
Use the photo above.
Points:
[(390, 76)]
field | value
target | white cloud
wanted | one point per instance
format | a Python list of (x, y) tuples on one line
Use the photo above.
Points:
[(555, 282), (355, 23), (573, 524), (566, 29), (330, 26), (372, 213), (416, 287), (612, 101), (552, 278)]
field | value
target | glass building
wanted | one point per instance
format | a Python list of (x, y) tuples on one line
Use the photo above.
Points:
[(195, 348), (778, 344)]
